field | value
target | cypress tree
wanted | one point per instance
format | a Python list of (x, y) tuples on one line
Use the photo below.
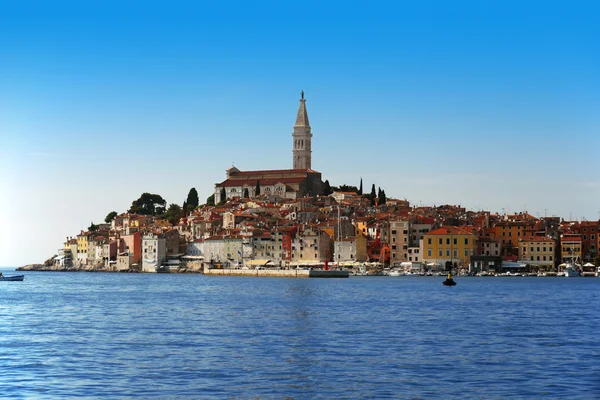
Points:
[(360, 188)]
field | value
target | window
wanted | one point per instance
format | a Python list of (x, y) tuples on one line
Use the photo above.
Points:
[(456, 241), (440, 241), (467, 242), (440, 252), (447, 241), (447, 253), (393, 231), (428, 252), (429, 241), (466, 253)]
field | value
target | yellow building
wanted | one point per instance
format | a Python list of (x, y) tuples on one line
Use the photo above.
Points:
[(570, 248), (361, 225), (82, 243), (537, 250), (449, 243)]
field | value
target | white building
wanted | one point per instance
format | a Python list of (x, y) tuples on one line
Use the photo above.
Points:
[(154, 251)]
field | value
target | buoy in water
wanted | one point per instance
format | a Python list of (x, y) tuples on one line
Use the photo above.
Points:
[(449, 281)]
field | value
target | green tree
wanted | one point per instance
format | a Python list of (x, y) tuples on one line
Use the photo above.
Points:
[(93, 227), (172, 214), (348, 188), (185, 208), (148, 204), (373, 195), (210, 200), (327, 188), (382, 198), (111, 215), (360, 188), (257, 189), (223, 196), (192, 200), (246, 194)]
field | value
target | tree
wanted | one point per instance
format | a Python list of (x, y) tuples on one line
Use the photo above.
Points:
[(348, 188), (192, 200), (93, 227), (148, 204), (360, 188), (382, 198), (327, 188), (223, 196), (246, 194), (210, 200), (373, 195), (111, 215), (257, 189), (172, 214)]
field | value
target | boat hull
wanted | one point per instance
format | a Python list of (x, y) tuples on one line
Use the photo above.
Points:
[(14, 278)]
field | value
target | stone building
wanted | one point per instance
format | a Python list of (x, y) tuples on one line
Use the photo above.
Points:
[(285, 183)]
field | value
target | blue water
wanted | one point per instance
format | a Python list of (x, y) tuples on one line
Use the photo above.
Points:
[(98, 335)]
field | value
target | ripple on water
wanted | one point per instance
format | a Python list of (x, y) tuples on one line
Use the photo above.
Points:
[(190, 336)]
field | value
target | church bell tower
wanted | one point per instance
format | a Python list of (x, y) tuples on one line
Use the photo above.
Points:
[(302, 137)]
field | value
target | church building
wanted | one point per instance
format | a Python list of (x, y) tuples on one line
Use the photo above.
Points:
[(286, 183)]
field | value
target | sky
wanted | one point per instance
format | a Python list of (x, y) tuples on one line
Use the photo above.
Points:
[(492, 105)]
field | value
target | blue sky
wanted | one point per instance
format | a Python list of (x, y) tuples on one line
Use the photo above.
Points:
[(492, 105)]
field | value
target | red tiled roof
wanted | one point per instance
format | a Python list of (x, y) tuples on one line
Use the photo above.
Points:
[(449, 230), (273, 171), (251, 182)]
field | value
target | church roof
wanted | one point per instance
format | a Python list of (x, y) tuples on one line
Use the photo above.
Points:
[(240, 174), (302, 118), (251, 182)]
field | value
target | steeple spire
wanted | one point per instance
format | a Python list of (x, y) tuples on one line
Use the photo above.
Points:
[(302, 118), (302, 137)]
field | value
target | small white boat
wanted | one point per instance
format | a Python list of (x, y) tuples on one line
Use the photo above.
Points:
[(394, 273), (571, 270)]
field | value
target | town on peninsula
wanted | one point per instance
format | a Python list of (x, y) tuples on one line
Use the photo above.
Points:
[(291, 220)]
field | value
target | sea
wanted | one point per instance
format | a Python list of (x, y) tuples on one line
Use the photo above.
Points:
[(173, 336)]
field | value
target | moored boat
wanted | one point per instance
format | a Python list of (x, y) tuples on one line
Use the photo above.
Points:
[(571, 270), (13, 278)]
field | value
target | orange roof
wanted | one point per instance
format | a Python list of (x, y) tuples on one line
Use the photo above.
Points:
[(272, 171), (449, 230)]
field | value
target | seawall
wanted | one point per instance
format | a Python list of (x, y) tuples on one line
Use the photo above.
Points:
[(279, 273)]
